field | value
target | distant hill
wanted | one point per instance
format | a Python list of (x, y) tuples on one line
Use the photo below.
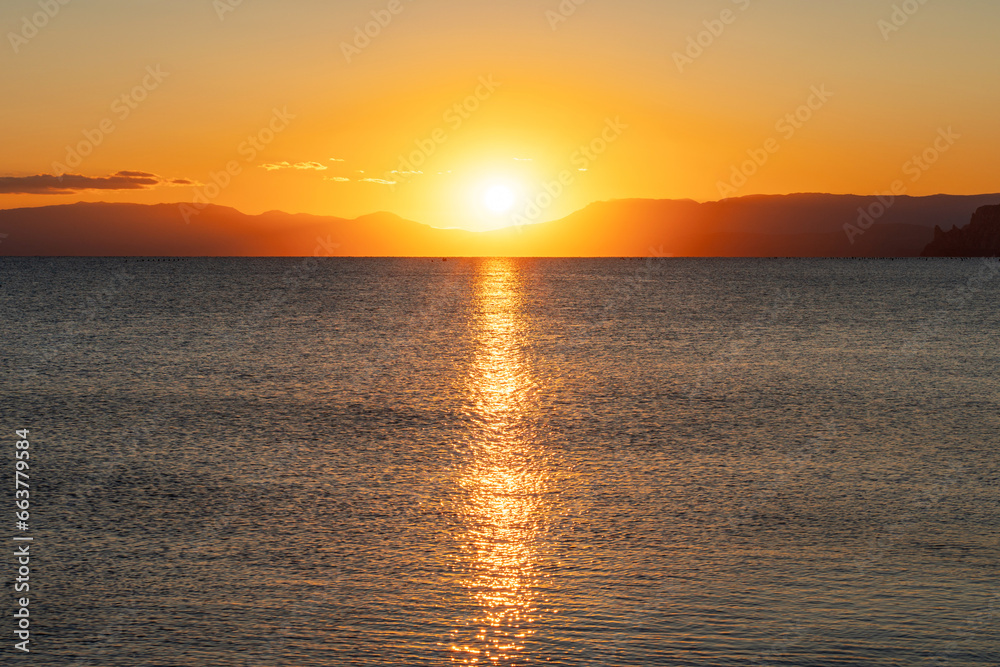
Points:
[(980, 238), (99, 229), (802, 225)]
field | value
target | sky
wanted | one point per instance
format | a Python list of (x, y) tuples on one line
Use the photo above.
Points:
[(478, 114)]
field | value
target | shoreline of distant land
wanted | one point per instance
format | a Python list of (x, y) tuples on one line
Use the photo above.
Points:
[(797, 225)]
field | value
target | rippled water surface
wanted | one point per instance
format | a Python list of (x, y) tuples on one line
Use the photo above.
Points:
[(507, 462)]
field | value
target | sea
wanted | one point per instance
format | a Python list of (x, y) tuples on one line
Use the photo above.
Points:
[(643, 461)]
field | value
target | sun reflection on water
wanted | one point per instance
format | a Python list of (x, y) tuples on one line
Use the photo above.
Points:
[(503, 480)]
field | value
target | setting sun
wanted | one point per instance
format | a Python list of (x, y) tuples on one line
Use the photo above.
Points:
[(499, 198)]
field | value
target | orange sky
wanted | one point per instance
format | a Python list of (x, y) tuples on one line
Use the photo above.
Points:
[(175, 89)]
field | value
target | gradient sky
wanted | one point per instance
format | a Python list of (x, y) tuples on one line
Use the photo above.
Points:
[(560, 85)]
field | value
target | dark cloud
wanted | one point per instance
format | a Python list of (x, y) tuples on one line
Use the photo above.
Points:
[(137, 174), (47, 184)]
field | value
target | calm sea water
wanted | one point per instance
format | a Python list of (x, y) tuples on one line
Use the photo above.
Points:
[(506, 462)]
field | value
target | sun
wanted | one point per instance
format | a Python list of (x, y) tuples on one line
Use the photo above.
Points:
[(499, 198), (492, 198)]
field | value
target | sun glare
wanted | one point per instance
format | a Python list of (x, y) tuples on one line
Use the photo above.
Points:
[(492, 197), (499, 198)]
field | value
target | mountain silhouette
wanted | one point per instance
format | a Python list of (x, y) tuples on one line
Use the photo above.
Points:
[(800, 225), (980, 238)]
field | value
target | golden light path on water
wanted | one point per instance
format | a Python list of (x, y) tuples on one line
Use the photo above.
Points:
[(502, 481)]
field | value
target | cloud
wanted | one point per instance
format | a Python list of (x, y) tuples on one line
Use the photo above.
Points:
[(339, 179), (274, 166), (48, 184), (380, 181), (136, 174), (335, 159)]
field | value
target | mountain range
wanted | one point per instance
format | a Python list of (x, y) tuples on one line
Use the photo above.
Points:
[(799, 225), (980, 238)]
